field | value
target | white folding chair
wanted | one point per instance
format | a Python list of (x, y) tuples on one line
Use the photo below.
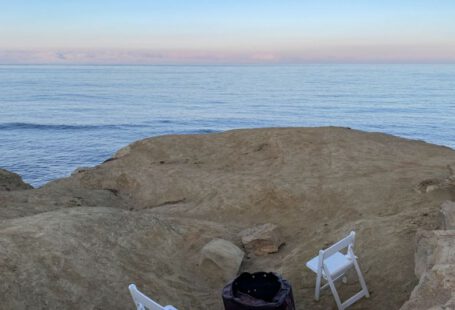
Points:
[(143, 302), (332, 265)]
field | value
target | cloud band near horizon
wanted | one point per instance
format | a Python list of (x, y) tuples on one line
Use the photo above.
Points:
[(203, 31), (352, 54)]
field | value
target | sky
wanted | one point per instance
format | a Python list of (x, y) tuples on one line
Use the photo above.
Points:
[(225, 32)]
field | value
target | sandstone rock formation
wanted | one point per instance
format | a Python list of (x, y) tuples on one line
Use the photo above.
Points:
[(10, 181), (262, 239), (220, 260), (448, 215), (435, 266), (433, 184), (144, 216)]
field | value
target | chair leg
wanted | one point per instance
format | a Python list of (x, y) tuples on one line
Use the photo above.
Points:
[(334, 292), (361, 279), (318, 287)]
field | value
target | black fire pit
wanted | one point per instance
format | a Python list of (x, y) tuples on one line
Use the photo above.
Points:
[(258, 291)]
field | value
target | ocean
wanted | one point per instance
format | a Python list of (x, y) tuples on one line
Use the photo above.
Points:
[(54, 119)]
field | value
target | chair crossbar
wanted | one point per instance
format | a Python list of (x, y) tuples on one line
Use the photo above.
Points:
[(353, 299), (334, 280)]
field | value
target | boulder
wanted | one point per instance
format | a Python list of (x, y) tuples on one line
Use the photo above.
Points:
[(447, 215), (221, 260), (262, 239), (10, 181)]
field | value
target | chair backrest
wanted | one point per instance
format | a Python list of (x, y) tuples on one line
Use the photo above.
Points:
[(343, 243), (142, 301)]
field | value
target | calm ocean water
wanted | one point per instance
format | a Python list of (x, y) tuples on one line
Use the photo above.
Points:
[(56, 118)]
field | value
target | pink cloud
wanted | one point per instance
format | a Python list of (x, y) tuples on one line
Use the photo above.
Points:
[(266, 57)]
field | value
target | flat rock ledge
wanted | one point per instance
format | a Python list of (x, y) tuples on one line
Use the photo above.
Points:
[(435, 265)]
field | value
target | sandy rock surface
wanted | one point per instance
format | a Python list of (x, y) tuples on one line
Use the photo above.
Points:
[(262, 239), (447, 215), (144, 216), (10, 181), (435, 266)]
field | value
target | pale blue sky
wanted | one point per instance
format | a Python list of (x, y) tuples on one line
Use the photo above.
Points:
[(241, 31)]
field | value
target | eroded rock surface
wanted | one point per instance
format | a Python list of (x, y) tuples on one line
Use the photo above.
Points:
[(10, 181), (448, 215), (144, 216), (262, 239), (435, 266)]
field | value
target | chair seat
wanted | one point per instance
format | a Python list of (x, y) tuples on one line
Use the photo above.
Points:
[(336, 264)]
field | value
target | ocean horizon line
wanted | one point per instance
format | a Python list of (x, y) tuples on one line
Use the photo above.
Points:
[(225, 64)]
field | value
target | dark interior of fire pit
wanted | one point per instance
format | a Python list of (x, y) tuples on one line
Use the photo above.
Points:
[(260, 285)]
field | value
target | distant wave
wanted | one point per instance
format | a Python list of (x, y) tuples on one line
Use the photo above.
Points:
[(201, 131), (35, 126)]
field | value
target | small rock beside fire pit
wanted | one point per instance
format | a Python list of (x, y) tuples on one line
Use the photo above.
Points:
[(262, 239), (221, 259)]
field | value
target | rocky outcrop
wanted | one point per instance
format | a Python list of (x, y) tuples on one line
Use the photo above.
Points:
[(435, 266), (221, 260), (10, 181), (262, 239), (145, 215), (447, 216), (441, 183)]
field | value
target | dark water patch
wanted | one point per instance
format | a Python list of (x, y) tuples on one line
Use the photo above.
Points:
[(35, 126)]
